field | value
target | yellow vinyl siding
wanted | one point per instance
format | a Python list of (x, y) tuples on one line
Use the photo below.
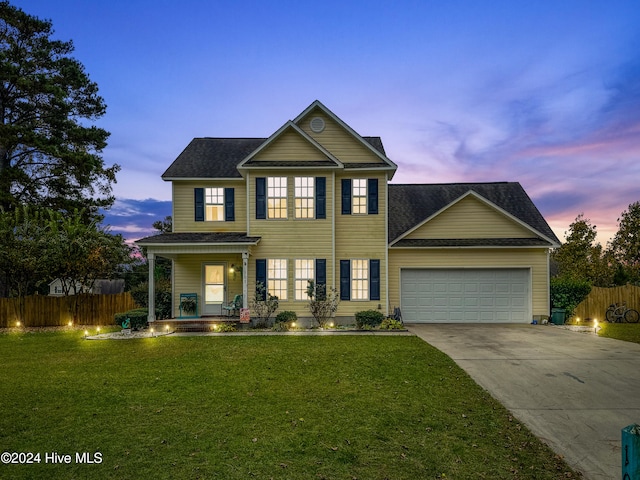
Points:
[(187, 276), (362, 237), (289, 146), (291, 238), (470, 218), (339, 141), (535, 259), (184, 207)]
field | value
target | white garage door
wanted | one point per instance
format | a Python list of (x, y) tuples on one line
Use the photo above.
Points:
[(466, 295)]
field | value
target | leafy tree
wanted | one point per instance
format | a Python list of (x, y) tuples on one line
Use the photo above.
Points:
[(80, 253), (164, 226), (22, 250), (625, 245), (580, 257), (48, 154), (567, 293)]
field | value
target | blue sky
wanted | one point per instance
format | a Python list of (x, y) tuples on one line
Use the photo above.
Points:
[(544, 93)]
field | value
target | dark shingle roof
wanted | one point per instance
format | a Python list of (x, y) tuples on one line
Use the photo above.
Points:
[(219, 157), (410, 205), (198, 237)]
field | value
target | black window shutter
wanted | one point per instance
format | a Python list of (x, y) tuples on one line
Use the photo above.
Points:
[(321, 271), (346, 196), (345, 280), (321, 197), (261, 198), (261, 276), (199, 204), (229, 205), (374, 282), (372, 193)]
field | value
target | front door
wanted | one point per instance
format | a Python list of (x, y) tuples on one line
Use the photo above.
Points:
[(214, 289)]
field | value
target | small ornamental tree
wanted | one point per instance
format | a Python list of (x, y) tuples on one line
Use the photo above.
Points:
[(323, 304), (263, 304)]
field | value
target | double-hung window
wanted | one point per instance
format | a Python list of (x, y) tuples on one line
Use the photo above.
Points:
[(360, 279), (359, 196), (214, 204), (304, 197), (277, 197), (277, 277), (304, 271)]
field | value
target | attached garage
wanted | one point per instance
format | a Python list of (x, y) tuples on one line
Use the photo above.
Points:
[(461, 295)]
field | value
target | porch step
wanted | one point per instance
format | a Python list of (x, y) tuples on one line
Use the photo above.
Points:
[(194, 325)]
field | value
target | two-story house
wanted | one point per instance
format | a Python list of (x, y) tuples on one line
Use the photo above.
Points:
[(313, 202)]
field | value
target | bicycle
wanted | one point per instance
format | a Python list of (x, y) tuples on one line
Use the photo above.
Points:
[(617, 312)]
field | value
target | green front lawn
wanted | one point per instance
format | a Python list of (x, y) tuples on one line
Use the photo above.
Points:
[(629, 332), (314, 407)]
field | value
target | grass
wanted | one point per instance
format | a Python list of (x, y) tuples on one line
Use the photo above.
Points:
[(629, 332), (320, 407)]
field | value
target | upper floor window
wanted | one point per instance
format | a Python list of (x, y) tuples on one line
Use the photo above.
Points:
[(304, 197), (277, 197), (359, 196), (214, 204)]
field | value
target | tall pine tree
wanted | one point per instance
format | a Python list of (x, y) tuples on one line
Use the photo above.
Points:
[(50, 155)]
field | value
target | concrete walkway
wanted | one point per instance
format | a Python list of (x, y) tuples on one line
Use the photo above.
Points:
[(575, 391)]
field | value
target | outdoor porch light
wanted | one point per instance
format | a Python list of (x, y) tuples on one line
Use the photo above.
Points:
[(232, 268)]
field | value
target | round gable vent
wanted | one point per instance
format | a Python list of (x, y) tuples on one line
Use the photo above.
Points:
[(317, 124)]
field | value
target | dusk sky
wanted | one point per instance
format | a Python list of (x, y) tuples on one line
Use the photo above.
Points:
[(545, 93)]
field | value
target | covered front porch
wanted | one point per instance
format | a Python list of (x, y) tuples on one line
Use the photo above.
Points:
[(209, 275)]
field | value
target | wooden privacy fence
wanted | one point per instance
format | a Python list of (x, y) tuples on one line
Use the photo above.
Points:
[(44, 311), (599, 299)]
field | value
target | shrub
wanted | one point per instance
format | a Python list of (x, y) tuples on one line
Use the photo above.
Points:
[(140, 294), (391, 324), (286, 316), (263, 304), (567, 293), (138, 318), (280, 327), (322, 304), (368, 318), (226, 327)]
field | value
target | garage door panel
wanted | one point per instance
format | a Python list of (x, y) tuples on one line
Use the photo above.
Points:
[(465, 295)]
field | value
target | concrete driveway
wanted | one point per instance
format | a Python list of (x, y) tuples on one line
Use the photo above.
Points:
[(575, 391)]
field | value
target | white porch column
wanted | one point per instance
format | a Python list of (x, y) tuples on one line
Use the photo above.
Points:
[(245, 274), (151, 261)]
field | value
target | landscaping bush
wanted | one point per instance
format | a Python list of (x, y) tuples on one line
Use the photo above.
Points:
[(140, 294), (286, 316), (322, 303), (567, 293), (137, 316), (263, 305), (368, 319), (391, 324), (284, 320)]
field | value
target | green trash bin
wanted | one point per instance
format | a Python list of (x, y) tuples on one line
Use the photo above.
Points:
[(557, 316), (631, 452)]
